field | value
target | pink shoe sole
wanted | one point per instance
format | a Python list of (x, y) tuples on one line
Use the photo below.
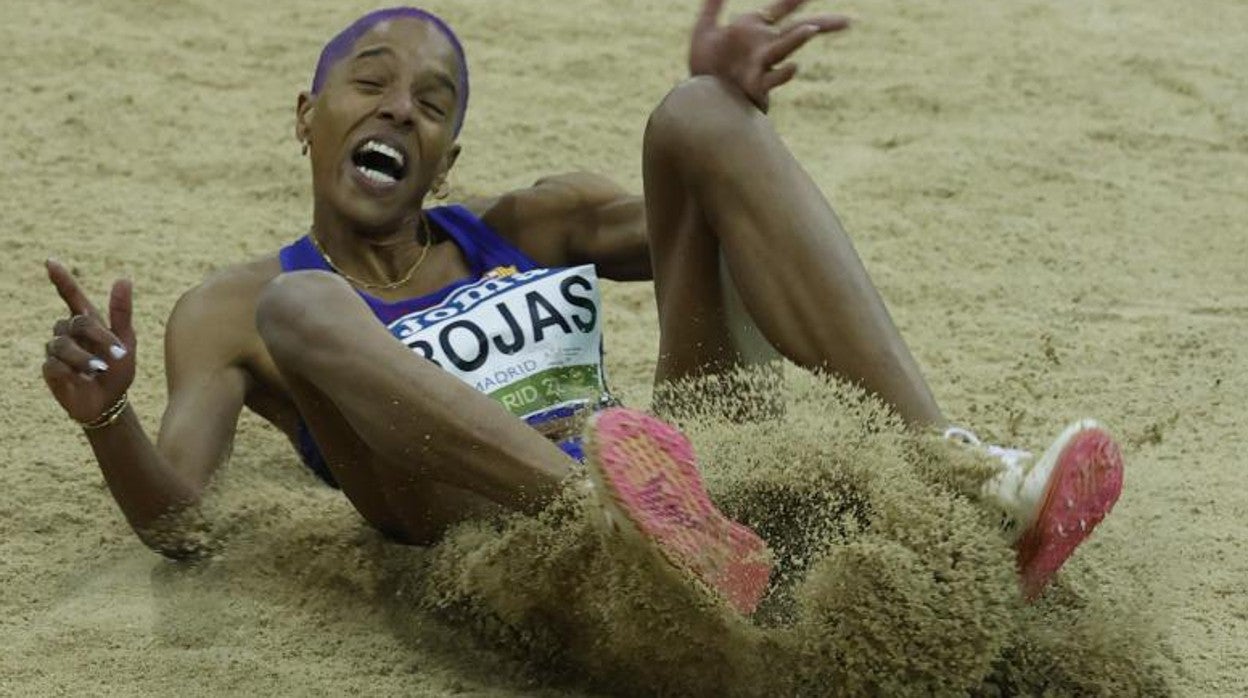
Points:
[(1084, 483), (645, 479)]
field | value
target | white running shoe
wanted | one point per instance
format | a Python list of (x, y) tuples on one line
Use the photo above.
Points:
[(1054, 502)]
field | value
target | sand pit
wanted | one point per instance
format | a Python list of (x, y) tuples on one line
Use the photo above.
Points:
[(1050, 196)]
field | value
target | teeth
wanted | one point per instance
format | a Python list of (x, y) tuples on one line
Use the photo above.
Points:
[(379, 147), (375, 176)]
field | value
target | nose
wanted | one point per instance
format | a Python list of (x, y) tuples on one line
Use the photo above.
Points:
[(397, 107)]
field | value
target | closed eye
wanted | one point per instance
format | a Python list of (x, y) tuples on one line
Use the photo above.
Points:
[(436, 109), (369, 86)]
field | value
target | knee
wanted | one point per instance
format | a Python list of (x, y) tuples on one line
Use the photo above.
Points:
[(699, 112), (292, 308)]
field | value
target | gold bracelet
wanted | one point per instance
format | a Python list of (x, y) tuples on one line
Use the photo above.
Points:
[(110, 415)]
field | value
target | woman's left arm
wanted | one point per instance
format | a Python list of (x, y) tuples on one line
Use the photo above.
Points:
[(613, 235), (576, 218)]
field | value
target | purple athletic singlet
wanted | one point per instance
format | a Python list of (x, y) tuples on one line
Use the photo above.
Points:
[(527, 336)]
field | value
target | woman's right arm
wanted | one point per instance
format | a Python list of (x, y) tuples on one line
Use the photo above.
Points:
[(89, 368)]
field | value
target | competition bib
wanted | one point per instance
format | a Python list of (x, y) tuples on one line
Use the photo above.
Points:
[(531, 340)]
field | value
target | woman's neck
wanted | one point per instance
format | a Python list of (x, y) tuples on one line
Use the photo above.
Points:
[(374, 257)]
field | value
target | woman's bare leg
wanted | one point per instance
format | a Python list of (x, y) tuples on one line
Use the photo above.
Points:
[(719, 181), (414, 448)]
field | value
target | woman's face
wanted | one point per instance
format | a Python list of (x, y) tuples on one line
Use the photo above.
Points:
[(381, 129)]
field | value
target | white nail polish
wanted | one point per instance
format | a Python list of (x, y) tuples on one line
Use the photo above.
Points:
[(118, 352), (97, 365)]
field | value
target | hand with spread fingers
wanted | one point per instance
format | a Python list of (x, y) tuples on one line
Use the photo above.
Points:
[(90, 361), (753, 50)]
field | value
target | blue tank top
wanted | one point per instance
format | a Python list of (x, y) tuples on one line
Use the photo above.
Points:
[(489, 256)]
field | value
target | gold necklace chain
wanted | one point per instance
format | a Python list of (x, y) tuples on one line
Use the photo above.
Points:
[(424, 252)]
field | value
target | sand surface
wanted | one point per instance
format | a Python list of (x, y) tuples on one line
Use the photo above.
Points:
[(1051, 197)]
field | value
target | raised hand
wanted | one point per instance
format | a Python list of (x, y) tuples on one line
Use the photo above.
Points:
[(750, 50), (90, 364)]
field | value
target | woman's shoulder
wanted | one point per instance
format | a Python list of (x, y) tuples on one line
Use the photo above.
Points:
[(237, 285), (556, 199), (540, 220), (253, 274), (217, 317)]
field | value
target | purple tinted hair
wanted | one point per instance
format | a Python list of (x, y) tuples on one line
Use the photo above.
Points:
[(339, 46)]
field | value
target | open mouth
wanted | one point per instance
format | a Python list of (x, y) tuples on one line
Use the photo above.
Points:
[(379, 162)]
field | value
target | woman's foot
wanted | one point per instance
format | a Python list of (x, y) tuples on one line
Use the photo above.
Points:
[(1055, 502), (646, 481)]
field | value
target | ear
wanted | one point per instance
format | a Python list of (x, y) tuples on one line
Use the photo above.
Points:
[(448, 160), (303, 116)]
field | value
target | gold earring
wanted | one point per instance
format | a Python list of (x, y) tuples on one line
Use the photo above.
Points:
[(441, 189)]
